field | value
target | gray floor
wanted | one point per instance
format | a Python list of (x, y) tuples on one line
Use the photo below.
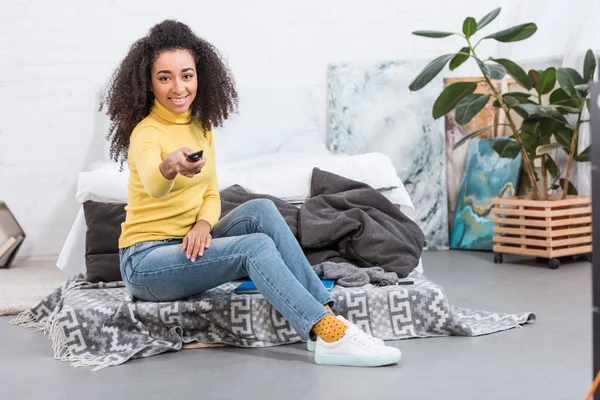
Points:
[(550, 359)]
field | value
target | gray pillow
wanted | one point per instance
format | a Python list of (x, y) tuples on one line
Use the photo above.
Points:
[(102, 240)]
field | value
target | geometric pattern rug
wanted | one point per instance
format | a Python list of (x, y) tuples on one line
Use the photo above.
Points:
[(101, 325)]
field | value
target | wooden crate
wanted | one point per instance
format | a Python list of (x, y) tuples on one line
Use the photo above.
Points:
[(542, 228)]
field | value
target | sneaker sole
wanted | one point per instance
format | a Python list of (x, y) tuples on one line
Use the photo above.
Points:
[(385, 359), (311, 345)]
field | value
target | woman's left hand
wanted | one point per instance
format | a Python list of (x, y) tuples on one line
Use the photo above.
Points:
[(197, 239)]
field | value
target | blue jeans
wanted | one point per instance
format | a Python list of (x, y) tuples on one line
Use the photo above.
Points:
[(252, 241)]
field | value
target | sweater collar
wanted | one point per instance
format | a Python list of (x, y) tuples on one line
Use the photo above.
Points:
[(164, 113)]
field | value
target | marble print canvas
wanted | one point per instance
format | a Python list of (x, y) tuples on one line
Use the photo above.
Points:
[(371, 109), (455, 158), (486, 176)]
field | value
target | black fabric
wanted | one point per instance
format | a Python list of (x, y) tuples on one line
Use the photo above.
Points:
[(346, 221), (103, 222)]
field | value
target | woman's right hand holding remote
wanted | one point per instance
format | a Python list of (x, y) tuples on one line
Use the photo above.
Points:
[(176, 163)]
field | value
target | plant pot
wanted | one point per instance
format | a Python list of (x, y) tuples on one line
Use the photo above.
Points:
[(542, 228)]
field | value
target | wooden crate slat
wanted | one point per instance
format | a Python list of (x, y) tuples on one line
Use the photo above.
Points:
[(527, 202), (571, 221), (542, 224), (521, 241), (541, 213), (516, 222), (571, 231), (572, 241), (520, 231), (521, 251), (570, 251)]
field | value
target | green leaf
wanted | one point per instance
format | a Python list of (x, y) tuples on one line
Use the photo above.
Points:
[(518, 95), (549, 112), (530, 142), (522, 113), (507, 148), (534, 76), (548, 126), (516, 72), (488, 18), (546, 82), (430, 71), (567, 110), (450, 97), (585, 155), (433, 34), (459, 58), (584, 87), (522, 98), (531, 127), (532, 110), (494, 71), (529, 109), (571, 189), (552, 168), (568, 78), (469, 27), (560, 98), (589, 66), (472, 135), (511, 101), (547, 148), (564, 138), (514, 34), (469, 107)]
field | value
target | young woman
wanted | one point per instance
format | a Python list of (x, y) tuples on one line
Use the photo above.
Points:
[(164, 99)]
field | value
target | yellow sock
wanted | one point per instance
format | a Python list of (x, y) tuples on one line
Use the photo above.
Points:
[(328, 308), (330, 329)]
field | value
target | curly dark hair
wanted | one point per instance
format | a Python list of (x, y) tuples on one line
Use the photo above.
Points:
[(127, 97)]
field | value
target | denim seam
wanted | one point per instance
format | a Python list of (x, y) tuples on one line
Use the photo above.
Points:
[(178, 266), (240, 220)]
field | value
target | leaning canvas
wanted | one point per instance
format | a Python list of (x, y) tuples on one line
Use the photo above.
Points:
[(455, 158), (485, 176), (371, 109)]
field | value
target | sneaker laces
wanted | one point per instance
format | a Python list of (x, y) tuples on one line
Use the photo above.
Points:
[(363, 335)]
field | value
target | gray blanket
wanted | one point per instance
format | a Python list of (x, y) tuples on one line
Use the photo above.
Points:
[(100, 324), (346, 221)]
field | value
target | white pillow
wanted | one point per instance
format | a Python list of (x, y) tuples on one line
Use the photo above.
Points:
[(267, 119), (288, 175), (104, 184), (284, 175)]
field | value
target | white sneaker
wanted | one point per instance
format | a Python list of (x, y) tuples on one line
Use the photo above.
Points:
[(356, 349), (312, 344)]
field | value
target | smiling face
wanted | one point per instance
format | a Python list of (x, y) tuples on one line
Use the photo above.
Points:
[(174, 80)]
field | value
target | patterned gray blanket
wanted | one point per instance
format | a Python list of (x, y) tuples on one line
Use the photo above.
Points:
[(101, 325)]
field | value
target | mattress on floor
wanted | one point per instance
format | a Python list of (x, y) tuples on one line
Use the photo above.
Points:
[(102, 325)]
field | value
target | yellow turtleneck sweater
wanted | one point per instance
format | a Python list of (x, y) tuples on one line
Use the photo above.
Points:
[(158, 208)]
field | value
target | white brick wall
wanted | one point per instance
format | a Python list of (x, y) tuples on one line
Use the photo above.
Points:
[(55, 54)]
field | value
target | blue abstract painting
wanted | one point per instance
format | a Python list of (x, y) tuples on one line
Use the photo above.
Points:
[(485, 176), (371, 109)]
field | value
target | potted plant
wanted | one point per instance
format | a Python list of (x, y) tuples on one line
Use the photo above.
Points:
[(539, 224)]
